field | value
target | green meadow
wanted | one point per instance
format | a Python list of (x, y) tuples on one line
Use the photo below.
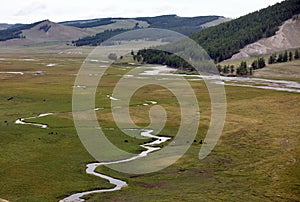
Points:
[(256, 158)]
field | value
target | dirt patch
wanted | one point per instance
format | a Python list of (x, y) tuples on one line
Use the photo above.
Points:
[(149, 185), (201, 173)]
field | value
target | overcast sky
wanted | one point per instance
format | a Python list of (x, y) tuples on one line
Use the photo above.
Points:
[(29, 11)]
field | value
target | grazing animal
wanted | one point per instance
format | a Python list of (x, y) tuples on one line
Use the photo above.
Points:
[(11, 98)]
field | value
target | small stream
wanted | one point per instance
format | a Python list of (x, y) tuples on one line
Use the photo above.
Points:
[(23, 121), (119, 184)]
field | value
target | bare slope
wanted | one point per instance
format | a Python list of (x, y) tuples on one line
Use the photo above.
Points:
[(287, 37)]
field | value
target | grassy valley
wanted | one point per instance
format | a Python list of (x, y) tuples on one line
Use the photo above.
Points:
[(257, 157)]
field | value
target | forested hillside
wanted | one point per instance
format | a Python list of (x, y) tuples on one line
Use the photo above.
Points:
[(226, 39), (98, 38), (183, 25)]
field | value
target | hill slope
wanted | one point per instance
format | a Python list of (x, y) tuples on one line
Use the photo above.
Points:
[(225, 40), (50, 31), (287, 37)]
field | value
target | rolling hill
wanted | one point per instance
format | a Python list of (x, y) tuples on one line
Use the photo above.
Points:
[(94, 31), (41, 32), (47, 31), (183, 25)]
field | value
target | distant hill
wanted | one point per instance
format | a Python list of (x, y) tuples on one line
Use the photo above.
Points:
[(183, 25), (225, 40), (40, 32), (89, 23), (94, 31), (97, 26), (4, 26), (50, 31), (15, 31)]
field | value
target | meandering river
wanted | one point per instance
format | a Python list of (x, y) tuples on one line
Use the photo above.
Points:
[(119, 184)]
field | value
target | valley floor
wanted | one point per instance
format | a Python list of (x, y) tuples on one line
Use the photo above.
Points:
[(256, 158)]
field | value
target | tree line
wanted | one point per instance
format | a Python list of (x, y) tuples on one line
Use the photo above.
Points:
[(94, 23), (243, 69), (283, 57), (152, 56), (183, 25), (98, 38)]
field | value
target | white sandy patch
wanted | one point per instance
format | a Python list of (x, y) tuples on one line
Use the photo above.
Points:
[(51, 65), (151, 102), (19, 73), (128, 76), (112, 98), (97, 109), (157, 70), (79, 86)]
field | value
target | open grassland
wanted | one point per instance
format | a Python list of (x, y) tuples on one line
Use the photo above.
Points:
[(256, 159), (288, 70)]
